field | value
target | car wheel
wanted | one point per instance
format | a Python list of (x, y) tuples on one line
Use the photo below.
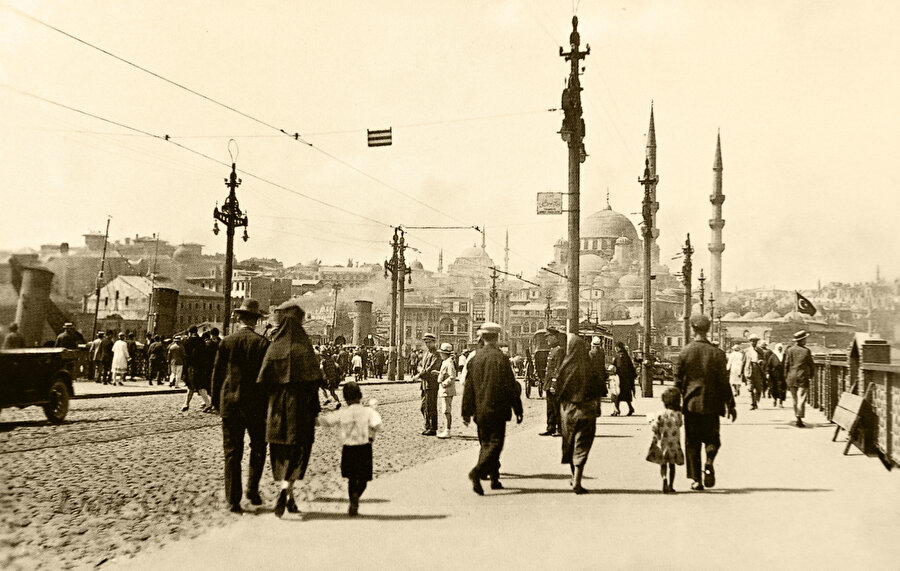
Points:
[(527, 388), (58, 405)]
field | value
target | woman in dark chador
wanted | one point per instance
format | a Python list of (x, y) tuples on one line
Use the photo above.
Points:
[(626, 374), (292, 376), (578, 389)]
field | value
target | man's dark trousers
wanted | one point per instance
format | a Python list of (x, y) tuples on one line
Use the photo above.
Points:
[(491, 435), (552, 412), (700, 429), (233, 427), (429, 407)]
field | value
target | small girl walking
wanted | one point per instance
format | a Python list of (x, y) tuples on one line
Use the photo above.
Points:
[(358, 425), (665, 449)]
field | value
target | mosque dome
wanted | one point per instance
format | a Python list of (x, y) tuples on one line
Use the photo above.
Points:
[(187, 252), (608, 223), (630, 280), (417, 265), (794, 316), (730, 316), (591, 262), (622, 240), (772, 315), (750, 315)]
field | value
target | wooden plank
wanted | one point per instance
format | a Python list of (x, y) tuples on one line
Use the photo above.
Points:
[(844, 418), (851, 402)]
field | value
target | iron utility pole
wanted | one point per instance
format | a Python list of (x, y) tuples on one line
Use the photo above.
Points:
[(649, 181), (336, 287), (232, 217), (702, 281), (688, 301), (151, 322), (712, 316), (391, 266), (549, 311), (572, 132), (100, 280), (494, 295), (402, 272)]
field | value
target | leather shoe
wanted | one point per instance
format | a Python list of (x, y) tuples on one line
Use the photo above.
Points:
[(579, 490), (496, 485), (236, 509), (697, 486), (281, 503), (476, 483), (254, 498), (546, 433), (709, 476), (430, 433), (292, 506)]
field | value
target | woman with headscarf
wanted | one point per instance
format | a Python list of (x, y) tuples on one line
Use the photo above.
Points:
[(291, 374), (775, 372), (626, 374), (578, 390)]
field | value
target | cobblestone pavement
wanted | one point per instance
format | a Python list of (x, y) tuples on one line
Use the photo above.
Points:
[(125, 473)]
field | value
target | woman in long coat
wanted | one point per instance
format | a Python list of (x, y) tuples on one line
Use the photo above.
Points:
[(578, 390), (775, 372), (291, 374), (626, 373), (121, 359)]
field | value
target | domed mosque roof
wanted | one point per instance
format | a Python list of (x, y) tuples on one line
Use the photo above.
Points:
[(772, 315), (475, 253), (730, 316), (608, 223), (750, 315), (591, 262), (417, 265), (630, 280)]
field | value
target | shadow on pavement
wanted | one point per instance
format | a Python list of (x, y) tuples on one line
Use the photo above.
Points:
[(537, 477), (10, 425), (613, 436), (727, 491), (309, 516), (655, 491), (344, 500)]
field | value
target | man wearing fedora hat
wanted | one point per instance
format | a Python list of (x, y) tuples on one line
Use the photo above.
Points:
[(753, 371), (241, 403), (489, 394), (799, 368), (429, 370), (70, 338), (446, 386)]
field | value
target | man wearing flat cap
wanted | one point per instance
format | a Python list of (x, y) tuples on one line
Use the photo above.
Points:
[(241, 403), (490, 393), (702, 377), (429, 369), (554, 361), (799, 368)]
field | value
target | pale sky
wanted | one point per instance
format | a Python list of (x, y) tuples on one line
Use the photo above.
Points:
[(805, 94)]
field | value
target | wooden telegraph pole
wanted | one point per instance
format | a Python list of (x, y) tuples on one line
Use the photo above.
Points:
[(232, 217), (572, 132), (391, 266), (402, 272), (688, 301), (100, 280)]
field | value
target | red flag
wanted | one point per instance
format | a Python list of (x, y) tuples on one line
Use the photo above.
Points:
[(804, 305)]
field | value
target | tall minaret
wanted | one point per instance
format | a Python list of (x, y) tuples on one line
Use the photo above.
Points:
[(441, 261), (716, 223), (654, 205), (506, 256)]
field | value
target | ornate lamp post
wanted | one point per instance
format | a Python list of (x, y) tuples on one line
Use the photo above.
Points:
[(232, 217)]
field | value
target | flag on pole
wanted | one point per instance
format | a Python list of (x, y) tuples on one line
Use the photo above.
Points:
[(379, 137), (804, 305)]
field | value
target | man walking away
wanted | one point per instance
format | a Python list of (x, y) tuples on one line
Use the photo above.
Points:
[(14, 339), (702, 377), (242, 403), (176, 361), (157, 360), (490, 393), (429, 370), (799, 368), (193, 360)]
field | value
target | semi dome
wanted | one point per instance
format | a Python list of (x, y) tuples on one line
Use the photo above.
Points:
[(591, 262), (630, 280), (608, 223)]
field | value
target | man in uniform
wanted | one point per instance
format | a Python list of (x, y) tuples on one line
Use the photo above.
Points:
[(69, 338), (799, 368), (702, 378), (241, 403), (429, 370), (554, 361), (490, 392)]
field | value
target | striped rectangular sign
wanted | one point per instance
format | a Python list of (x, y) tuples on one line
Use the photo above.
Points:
[(379, 137)]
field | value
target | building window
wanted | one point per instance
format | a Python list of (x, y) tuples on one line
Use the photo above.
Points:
[(105, 301), (117, 295), (126, 301), (462, 326), (446, 325), (464, 307)]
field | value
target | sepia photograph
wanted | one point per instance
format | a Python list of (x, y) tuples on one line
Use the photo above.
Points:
[(480, 284)]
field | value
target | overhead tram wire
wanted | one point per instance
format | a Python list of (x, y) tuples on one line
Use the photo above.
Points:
[(296, 136), (167, 139)]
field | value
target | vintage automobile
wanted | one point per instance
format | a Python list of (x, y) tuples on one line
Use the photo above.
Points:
[(40, 377)]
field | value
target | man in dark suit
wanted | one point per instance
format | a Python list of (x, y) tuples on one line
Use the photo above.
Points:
[(799, 368), (490, 392), (429, 368), (702, 377), (241, 403), (554, 360)]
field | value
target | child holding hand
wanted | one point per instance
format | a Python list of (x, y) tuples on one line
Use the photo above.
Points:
[(357, 425)]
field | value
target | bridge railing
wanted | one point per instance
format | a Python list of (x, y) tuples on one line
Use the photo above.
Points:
[(879, 427)]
